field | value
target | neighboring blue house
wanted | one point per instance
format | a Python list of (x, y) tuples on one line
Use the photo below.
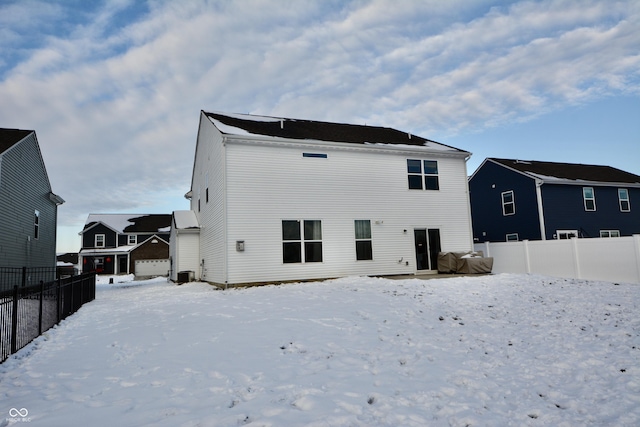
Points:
[(28, 207), (532, 200)]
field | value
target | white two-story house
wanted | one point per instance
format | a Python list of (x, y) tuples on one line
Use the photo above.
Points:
[(276, 199)]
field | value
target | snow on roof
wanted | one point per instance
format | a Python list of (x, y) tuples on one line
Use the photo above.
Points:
[(280, 127), (132, 223), (185, 220)]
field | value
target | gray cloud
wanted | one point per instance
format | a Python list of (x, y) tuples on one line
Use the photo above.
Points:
[(115, 103)]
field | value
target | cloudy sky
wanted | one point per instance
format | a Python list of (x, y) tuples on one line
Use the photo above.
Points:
[(114, 88)]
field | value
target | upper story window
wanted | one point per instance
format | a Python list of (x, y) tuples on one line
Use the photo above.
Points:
[(623, 199), (423, 174), (133, 239), (589, 198), (508, 203), (206, 187), (36, 224), (99, 241), (364, 247), (301, 240)]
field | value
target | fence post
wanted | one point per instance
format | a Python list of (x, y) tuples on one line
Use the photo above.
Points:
[(636, 241), (14, 321), (527, 258), (58, 299), (576, 258), (24, 276), (40, 308)]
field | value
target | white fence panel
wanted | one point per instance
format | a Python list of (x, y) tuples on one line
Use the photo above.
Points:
[(608, 259)]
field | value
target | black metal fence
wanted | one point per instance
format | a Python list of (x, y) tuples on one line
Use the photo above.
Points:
[(28, 311)]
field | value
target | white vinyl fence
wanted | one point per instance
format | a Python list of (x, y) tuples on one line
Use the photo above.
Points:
[(607, 259)]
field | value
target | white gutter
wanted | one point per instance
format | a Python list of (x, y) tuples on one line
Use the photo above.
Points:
[(543, 232)]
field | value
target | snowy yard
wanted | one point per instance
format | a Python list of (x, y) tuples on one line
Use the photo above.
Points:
[(478, 351)]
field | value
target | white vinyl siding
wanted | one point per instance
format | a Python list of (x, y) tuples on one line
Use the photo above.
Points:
[(345, 186)]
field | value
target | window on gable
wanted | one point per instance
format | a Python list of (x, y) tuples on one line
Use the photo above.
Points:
[(508, 203), (623, 199), (301, 240), (99, 241), (364, 247), (609, 233), (36, 225), (133, 239), (206, 187), (423, 174), (589, 199)]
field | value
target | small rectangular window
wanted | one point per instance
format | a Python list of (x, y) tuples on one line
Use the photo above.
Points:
[(99, 241), (206, 187), (609, 233), (512, 237), (589, 198), (315, 155), (566, 234), (508, 203), (623, 199), (36, 225), (364, 247)]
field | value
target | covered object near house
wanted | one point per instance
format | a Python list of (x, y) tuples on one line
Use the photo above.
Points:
[(277, 199)]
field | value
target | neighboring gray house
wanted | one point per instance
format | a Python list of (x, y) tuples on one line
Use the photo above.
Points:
[(28, 207)]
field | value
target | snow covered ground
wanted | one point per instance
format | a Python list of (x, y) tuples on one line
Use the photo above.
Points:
[(473, 351)]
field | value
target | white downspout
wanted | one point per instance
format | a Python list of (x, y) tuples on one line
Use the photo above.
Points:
[(543, 232)]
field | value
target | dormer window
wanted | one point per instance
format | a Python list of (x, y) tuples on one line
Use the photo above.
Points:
[(99, 241), (133, 239)]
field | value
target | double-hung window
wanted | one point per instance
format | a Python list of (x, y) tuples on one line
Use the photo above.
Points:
[(508, 203), (99, 241), (423, 174), (133, 239), (623, 199), (364, 247), (301, 240), (589, 198)]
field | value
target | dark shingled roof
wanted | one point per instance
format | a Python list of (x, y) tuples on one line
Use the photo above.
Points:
[(322, 131), (571, 171), (149, 223), (9, 137)]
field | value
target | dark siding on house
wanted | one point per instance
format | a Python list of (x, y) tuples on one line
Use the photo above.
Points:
[(88, 237), (149, 250), (24, 188), (489, 223), (564, 210)]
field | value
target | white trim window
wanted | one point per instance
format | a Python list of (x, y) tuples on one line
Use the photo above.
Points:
[(364, 246), (623, 200), (99, 241), (508, 203), (423, 174), (566, 234), (589, 197), (36, 225), (609, 233), (132, 239), (301, 240), (512, 237)]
